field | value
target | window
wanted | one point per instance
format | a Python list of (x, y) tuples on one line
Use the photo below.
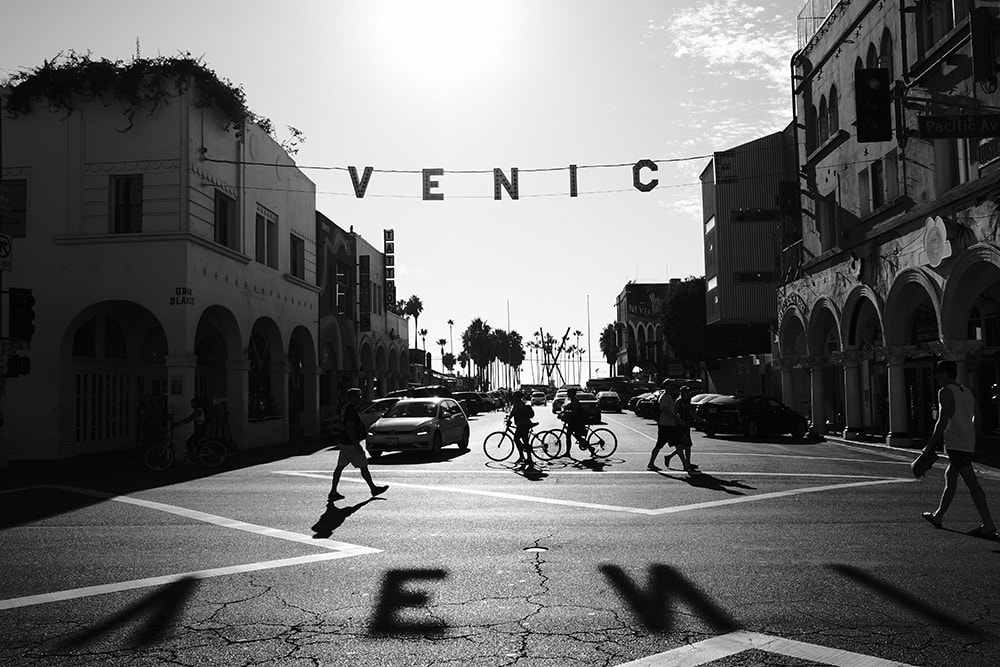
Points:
[(126, 204), (885, 60), (14, 221), (864, 193), (226, 232), (824, 121), (298, 256), (826, 221), (266, 237), (755, 277), (891, 176), (832, 113), (878, 185)]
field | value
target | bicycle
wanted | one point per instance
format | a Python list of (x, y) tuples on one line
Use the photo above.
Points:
[(602, 442), (162, 453), (499, 445)]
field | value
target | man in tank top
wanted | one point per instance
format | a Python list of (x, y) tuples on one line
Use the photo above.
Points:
[(957, 424)]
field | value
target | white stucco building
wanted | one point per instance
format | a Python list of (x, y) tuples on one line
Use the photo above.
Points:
[(167, 259)]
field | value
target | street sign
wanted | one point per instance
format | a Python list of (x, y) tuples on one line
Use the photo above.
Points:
[(5, 252), (956, 127)]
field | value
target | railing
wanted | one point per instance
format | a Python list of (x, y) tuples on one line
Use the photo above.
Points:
[(812, 17), (791, 263)]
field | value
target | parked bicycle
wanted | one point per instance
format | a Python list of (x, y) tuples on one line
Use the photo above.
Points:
[(500, 445), (162, 452), (601, 442)]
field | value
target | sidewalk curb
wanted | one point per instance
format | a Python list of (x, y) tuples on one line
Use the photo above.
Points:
[(988, 470)]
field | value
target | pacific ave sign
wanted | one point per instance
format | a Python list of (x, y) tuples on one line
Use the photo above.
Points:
[(954, 127)]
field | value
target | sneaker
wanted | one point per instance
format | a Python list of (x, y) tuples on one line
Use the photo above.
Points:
[(666, 459), (652, 467), (335, 496), (379, 490)]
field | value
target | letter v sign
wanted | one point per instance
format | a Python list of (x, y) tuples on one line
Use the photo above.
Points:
[(652, 605), (362, 186)]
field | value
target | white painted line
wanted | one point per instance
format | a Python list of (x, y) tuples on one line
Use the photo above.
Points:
[(195, 515), (716, 648), (604, 473), (336, 551), (613, 508), (87, 591)]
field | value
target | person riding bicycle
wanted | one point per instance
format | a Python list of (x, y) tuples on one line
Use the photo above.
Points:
[(576, 420), (521, 413), (201, 413)]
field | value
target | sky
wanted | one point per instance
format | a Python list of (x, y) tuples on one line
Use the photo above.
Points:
[(470, 86)]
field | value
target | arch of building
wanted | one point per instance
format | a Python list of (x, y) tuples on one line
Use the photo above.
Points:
[(303, 383), (114, 380), (366, 374), (823, 343), (379, 382)]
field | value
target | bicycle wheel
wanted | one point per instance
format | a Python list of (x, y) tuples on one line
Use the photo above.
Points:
[(602, 442), (499, 445), (552, 444), (211, 453), (159, 456), (538, 448)]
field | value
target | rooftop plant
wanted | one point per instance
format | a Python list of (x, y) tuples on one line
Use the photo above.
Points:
[(140, 83)]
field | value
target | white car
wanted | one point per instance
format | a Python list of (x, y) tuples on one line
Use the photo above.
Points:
[(538, 398), (421, 424)]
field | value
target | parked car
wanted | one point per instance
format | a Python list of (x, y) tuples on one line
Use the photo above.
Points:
[(588, 402), (647, 405), (749, 415), (557, 401), (609, 401), (538, 398), (471, 402), (371, 412), (420, 392), (422, 424), (489, 403)]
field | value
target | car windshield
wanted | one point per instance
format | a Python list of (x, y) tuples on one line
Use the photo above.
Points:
[(412, 409)]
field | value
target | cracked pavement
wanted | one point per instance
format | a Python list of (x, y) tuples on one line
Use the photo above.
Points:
[(463, 578)]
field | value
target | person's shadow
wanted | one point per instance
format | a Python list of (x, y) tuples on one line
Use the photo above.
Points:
[(334, 517), (703, 480)]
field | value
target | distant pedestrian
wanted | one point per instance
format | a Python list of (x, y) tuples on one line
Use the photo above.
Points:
[(958, 423), (352, 431), (668, 429)]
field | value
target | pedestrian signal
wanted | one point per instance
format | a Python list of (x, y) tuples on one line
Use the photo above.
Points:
[(873, 105)]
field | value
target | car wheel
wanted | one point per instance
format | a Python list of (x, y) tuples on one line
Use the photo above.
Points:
[(464, 442), (751, 429), (799, 430)]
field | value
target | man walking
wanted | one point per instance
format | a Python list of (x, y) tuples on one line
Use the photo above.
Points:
[(958, 424), (352, 433)]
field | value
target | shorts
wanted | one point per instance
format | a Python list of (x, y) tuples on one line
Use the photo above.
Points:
[(353, 454), (959, 459), (670, 435)]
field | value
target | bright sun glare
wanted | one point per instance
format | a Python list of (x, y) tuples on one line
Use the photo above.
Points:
[(437, 43)]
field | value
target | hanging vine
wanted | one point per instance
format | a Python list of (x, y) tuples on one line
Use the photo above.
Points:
[(141, 84)]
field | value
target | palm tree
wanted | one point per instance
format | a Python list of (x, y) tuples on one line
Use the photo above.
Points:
[(451, 338), (423, 337), (463, 360), (609, 347), (475, 341), (448, 361), (414, 306), (441, 342), (579, 356)]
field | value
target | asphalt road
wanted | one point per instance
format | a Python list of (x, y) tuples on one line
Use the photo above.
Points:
[(783, 552)]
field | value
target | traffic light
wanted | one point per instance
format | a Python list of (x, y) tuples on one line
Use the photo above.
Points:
[(17, 366), (873, 104), (21, 314), (982, 35)]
